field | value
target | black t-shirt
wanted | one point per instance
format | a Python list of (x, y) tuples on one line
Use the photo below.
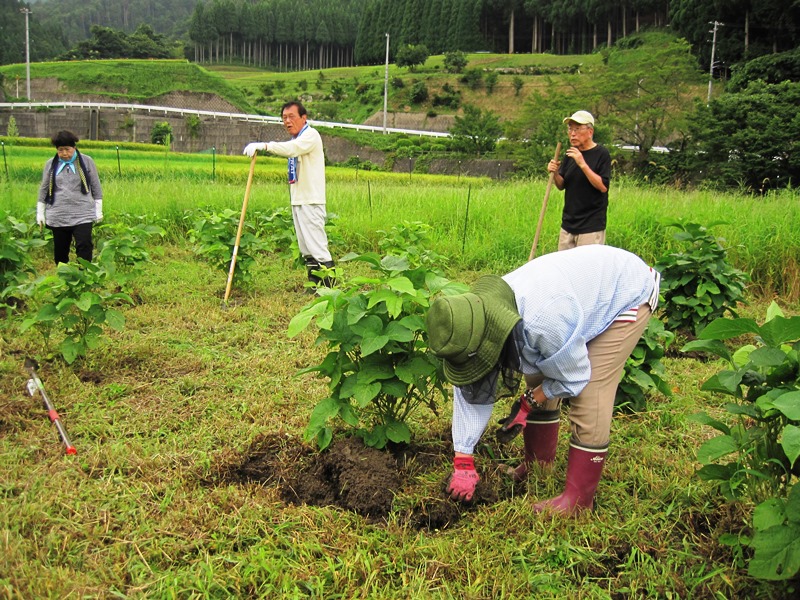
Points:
[(585, 206)]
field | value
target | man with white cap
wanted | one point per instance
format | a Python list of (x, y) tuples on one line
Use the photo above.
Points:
[(566, 322), (585, 174)]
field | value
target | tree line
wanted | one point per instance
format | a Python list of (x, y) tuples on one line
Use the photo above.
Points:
[(287, 34), (311, 34)]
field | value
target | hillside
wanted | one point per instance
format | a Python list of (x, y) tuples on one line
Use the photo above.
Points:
[(351, 94)]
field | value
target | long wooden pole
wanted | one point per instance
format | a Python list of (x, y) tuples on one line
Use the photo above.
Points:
[(241, 225), (544, 205)]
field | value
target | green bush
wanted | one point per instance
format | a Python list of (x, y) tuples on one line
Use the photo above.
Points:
[(378, 367), (698, 284), (161, 133), (756, 457)]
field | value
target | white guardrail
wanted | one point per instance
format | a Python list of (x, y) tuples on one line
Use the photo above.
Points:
[(213, 114)]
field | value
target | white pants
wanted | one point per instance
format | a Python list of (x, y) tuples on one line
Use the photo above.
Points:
[(309, 226)]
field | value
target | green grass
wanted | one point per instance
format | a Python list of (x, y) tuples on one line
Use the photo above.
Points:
[(132, 81), (495, 232), (185, 388)]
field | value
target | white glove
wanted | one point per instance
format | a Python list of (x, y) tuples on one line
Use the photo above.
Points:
[(254, 147), (98, 209), (40, 214)]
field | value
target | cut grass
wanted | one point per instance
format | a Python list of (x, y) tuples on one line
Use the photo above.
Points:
[(186, 387)]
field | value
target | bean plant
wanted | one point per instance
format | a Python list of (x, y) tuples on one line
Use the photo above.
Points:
[(17, 242), (698, 284), (644, 372), (75, 304), (755, 455), (378, 366)]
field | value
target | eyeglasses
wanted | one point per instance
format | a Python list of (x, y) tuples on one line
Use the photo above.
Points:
[(290, 117), (575, 128)]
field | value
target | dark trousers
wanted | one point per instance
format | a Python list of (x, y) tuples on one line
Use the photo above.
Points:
[(62, 239)]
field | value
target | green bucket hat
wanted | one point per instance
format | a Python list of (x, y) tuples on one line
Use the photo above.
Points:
[(468, 331)]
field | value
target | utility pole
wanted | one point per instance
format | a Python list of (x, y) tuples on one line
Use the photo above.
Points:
[(26, 12), (716, 25), (386, 85)]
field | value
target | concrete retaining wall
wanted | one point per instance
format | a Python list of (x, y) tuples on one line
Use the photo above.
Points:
[(227, 135)]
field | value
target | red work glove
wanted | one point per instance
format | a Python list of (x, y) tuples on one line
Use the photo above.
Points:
[(463, 480), (514, 423)]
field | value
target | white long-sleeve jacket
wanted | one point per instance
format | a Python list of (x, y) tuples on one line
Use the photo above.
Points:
[(307, 148)]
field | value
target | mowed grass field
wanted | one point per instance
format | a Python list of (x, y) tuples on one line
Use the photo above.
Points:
[(184, 391)]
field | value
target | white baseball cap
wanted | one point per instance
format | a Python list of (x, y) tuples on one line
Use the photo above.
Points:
[(583, 117)]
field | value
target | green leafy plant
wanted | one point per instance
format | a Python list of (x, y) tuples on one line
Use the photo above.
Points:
[(75, 300), (214, 237), (698, 284), (161, 133), (756, 456), (378, 366), (122, 248), (16, 245), (644, 372)]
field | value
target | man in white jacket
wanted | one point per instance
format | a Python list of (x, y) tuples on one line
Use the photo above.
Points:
[(306, 187)]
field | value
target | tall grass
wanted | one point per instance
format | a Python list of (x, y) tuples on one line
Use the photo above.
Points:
[(477, 223)]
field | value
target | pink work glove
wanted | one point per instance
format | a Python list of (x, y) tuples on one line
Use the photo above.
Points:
[(463, 480), (514, 423)]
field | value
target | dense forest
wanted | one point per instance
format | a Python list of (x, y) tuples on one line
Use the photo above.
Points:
[(307, 34)]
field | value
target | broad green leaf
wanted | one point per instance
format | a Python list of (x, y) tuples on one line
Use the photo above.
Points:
[(773, 310), (394, 264), (398, 432), (324, 410), (364, 394), (410, 371), (642, 379), (375, 368), (394, 388), (705, 419), (725, 382), (394, 304), (715, 347), (742, 356), (716, 472), (70, 350), (403, 285), (724, 328), (767, 357), (348, 387), (780, 330), (369, 326), (777, 553), (716, 448), (790, 442), (789, 404), (768, 514), (301, 320), (48, 312), (115, 319), (373, 344), (398, 333)]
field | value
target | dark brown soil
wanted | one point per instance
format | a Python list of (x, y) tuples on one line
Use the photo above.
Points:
[(364, 480)]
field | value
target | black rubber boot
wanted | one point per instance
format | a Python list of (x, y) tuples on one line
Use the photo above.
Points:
[(330, 280), (311, 266)]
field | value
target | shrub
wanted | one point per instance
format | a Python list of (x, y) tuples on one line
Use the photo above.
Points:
[(454, 62), (161, 133), (698, 284), (378, 367), (756, 456), (644, 372), (419, 92)]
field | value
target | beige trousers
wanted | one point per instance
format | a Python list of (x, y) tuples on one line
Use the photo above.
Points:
[(568, 240), (591, 411)]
